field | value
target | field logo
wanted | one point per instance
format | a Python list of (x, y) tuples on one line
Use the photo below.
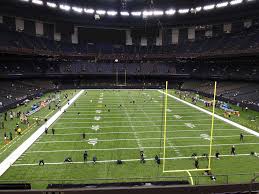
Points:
[(177, 116), (95, 127), (97, 118), (205, 136), (190, 125), (92, 141)]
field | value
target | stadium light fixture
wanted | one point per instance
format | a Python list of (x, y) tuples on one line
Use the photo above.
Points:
[(209, 7), (101, 12), (251, 0), (52, 5), (223, 4), (88, 10), (170, 12), (147, 13), (183, 11), (235, 2), (77, 9), (124, 13), (24, 0), (136, 13), (65, 7), (158, 12), (37, 2), (112, 13), (198, 9)]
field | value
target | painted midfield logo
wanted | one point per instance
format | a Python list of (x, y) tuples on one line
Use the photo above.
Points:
[(93, 141)]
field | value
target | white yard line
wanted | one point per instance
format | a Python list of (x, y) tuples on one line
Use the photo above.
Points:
[(141, 139), (125, 160), (130, 132), (121, 117), (134, 148), (111, 122), (26, 144), (133, 129), (216, 116)]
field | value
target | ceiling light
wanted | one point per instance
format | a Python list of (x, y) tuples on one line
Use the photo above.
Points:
[(52, 5), (209, 7), (112, 13), (147, 13), (158, 12), (124, 13), (136, 13), (89, 10), (100, 12), (77, 9), (170, 12), (37, 2), (223, 4), (197, 9), (235, 2), (64, 7), (183, 11)]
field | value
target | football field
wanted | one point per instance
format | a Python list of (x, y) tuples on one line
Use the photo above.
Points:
[(118, 124)]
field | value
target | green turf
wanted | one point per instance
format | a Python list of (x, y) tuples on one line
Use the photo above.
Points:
[(123, 132)]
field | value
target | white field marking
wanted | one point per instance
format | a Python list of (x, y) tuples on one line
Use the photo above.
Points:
[(155, 147), (177, 116), (85, 118), (216, 116), (94, 127), (124, 160), (133, 129), (97, 118), (190, 125), (141, 139), (142, 126), (4, 165), (207, 137), (136, 113), (93, 141), (129, 132), (97, 111), (168, 139)]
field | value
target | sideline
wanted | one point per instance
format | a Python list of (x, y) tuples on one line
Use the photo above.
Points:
[(216, 116), (7, 163)]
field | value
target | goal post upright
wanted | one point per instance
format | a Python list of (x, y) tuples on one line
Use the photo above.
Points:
[(212, 123), (165, 121), (211, 134)]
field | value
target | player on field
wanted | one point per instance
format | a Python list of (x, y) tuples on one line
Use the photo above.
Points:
[(241, 137), (233, 150), (41, 163), (53, 131), (85, 156), (217, 155), (196, 163), (94, 159)]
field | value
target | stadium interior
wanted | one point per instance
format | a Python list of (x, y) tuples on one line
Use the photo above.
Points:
[(113, 80)]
